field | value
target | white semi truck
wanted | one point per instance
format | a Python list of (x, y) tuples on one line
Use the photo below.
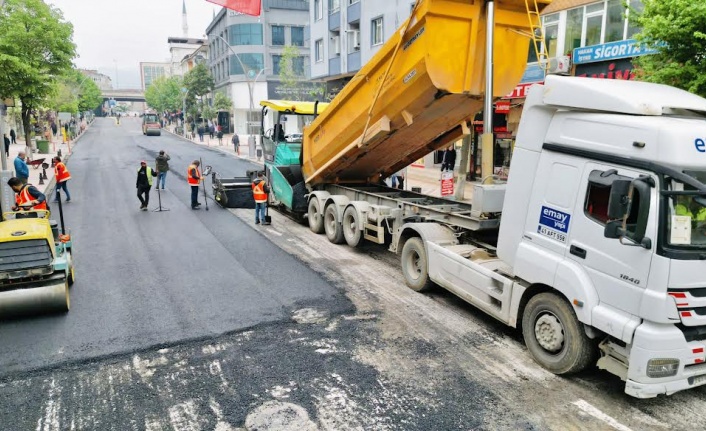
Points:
[(595, 247)]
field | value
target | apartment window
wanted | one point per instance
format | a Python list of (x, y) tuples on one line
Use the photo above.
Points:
[(246, 34), (318, 9), (376, 35), (276, 59), (615, 21), (574, 26), (638, 7), (277, 35), (551, 33), (594, 24), (298, 65), (334, 6), (253, 63), (298, 36), (319, 50)]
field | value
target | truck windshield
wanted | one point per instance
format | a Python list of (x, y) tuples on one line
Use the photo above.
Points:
[(687, 213), (291, 127)]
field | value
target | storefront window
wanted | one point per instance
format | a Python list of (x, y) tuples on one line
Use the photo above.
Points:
[(574, 23), (615, 23)]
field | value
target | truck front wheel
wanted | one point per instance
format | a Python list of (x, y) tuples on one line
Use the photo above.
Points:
[(414, 265), (316, 220), (554, 335), (332, 226)]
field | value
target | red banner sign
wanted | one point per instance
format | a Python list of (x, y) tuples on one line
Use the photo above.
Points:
[(447, 183), (502, 107), (520, 92)]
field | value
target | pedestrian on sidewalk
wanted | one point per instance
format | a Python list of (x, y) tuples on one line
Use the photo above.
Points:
[(144, 184), (201, 133), (194, 178), (13, 136), (236, 142), (260, 190), (21, 168), (211, 129), (7, 144), (62, 176), (162, 165), (398, 179), (54, 129), (28, 197), (448, 159)]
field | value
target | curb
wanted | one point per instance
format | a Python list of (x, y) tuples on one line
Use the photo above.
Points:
[(215, 148)]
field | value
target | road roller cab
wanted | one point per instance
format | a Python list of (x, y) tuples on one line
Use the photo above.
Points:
[(36, 268)]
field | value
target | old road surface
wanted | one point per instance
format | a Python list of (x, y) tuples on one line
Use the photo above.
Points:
[(195, 320)]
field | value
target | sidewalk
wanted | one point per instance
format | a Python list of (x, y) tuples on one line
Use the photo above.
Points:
[(428, 179), (55, 145)]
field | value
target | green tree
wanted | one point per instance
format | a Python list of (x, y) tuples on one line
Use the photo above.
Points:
[(199, 82), (36, 48), (221, 102), (290, 75), (164, 94), (75, 92), (675, 28)]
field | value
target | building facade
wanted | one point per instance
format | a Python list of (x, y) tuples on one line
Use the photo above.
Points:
[(245, 53), (180, 50), (102, 81), (149, 71), (345, 34)]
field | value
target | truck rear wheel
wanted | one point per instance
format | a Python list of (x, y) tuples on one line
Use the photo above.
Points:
[(554, 336), (332, 226), (415, 265), (353, 235), (316, 219)]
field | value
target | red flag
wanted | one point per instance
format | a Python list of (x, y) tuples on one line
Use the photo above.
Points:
[(248, 7)]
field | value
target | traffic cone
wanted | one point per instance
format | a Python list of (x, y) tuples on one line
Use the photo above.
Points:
[(41, 179)]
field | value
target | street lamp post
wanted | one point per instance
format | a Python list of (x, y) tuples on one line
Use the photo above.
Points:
[(251, 84)]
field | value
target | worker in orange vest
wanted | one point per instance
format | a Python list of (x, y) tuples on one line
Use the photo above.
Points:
[(27, 197), (62, 176), (194, 178), (259, 193)]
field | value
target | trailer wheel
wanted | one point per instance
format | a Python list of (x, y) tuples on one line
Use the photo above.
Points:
[(554, 336), (332, 226), (414, 265), (316, 220), (353, 235)]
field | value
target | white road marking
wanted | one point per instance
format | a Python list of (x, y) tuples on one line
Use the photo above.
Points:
[(587, 408)]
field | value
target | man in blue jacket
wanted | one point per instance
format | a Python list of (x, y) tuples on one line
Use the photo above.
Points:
[(21, 168)]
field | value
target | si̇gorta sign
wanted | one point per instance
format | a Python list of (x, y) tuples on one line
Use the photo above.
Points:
[(610, 51)]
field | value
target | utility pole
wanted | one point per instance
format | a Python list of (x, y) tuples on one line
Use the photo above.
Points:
[(487, 137)]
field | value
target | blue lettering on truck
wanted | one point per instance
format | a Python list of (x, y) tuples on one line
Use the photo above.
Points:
[(554, 224), (700, 145)]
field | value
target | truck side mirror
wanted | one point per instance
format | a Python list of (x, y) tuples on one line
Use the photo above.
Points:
[(643, 212), (618, 202)]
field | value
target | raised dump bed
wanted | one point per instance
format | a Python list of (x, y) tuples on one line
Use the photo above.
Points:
[(433, 73)]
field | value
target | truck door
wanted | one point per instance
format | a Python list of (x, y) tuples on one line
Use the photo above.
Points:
[(618, 270)]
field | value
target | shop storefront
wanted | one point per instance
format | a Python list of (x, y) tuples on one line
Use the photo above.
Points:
[(609, 60)]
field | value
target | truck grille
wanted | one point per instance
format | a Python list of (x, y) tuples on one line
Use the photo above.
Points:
[(28, 254)]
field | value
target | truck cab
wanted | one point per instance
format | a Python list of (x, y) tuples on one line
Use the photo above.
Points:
[(606, 204)]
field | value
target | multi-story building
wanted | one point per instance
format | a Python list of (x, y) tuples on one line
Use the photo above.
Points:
[(180, 49), (102, 81), (200, 56), (149, 71), (245, 54), (345, 34)]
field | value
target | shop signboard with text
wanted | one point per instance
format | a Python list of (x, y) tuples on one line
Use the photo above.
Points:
[(618, 69), (610, 51)]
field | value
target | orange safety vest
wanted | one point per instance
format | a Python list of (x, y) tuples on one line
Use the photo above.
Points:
[(23, 197), (193, 181), (258, 192), (61, 173)]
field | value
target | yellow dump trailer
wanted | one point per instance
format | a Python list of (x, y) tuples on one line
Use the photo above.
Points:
[(432, 73)]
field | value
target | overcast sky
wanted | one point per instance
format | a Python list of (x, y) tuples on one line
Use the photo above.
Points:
[(125, 32)]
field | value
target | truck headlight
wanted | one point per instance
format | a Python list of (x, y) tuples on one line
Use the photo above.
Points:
[(657, 368)]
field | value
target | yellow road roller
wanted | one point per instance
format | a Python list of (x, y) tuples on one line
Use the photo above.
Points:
[(36, 268)]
